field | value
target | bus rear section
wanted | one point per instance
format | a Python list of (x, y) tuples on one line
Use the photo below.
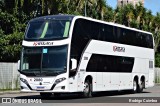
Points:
[(111, 56)]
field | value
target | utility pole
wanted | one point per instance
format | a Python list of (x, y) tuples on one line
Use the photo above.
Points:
[(85, 9)]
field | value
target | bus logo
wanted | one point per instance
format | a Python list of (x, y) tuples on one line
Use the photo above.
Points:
[(118, 49), (34, 44), (43, 43)]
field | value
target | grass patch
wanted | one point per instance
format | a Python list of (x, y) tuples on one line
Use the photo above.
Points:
[(10, 89), (157, 80)]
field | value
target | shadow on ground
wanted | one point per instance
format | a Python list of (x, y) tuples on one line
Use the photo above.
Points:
[(78, 96)]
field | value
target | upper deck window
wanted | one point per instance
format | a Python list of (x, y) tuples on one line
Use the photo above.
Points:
[(48, 29)]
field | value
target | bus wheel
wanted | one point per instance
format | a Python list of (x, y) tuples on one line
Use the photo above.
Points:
[(87, 92), (140, 87), (135, 86), (45, 95)]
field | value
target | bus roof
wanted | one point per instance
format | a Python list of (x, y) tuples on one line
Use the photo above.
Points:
[(112, 23), (55, 17), (70, 17)]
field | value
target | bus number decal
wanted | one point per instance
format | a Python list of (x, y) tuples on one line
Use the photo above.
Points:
[(38, 79), (118, 49)]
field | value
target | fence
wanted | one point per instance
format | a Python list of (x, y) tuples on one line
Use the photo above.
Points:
[(9, 76), (157, 75)]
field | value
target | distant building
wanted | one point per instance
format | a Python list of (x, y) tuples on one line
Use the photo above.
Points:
[(124, 2)]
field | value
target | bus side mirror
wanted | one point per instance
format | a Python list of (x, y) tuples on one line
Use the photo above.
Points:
[(73, 64), (18, 65)]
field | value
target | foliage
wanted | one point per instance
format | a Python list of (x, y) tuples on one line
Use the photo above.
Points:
[(11, 35), (10, 47), (157, 60), (14, 14)]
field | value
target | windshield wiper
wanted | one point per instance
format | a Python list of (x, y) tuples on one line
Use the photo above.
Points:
[(29, 73), (58, 72), (50, 73)]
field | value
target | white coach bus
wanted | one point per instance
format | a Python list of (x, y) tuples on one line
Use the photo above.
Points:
[(67, 54)]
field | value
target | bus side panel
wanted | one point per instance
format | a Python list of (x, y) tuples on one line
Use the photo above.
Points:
[(107, 81), (151, 73), (151, 78), (73, 84), (125, 81), (138, 65)]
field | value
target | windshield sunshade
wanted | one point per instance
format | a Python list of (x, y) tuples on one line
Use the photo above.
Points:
[(52, 29)]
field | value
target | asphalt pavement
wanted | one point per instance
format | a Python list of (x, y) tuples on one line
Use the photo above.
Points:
[(150, 95)]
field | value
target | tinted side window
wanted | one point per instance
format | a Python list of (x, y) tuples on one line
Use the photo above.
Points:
[(123, 36), (129, 37), (94, 30), (150, 41), (107, 63), (132, 38), (126, 36), (109, 33), (125, 64), (80, 38), (138, 39), (144, 40), (85, 30), (92, 65)]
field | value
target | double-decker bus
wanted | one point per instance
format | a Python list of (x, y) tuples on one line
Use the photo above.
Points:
[(67, 54)]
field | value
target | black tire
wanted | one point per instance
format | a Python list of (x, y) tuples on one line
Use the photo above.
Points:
[(87, 92), (135, 86), (140, 87), (45, 95)]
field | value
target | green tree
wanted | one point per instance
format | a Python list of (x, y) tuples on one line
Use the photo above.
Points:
[(10, 47), (157, 60), (109, 14), (14, 14), (156, 30), (11, 34)]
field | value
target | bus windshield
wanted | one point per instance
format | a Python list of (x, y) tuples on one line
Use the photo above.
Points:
[(48, 29), (45, 61)]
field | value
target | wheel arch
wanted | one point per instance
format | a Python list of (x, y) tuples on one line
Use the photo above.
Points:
[(143, 79), (90, 78), (136, 78)]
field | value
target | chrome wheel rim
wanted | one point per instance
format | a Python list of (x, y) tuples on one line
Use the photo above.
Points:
[(86, 87), (134, 86)]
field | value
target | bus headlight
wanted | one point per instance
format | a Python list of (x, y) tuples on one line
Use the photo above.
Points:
[(59, 80), (24, 81)]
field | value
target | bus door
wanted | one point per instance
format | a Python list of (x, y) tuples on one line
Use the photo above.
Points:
[(82, 69)]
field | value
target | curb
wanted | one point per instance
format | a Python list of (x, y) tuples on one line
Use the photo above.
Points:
[(157, 84), (18, 91), (9, 92)]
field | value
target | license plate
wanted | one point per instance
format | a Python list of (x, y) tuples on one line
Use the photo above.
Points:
[(40, 87)]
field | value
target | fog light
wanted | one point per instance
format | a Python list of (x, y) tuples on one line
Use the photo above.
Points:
[(22, 87), (63, 87)]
